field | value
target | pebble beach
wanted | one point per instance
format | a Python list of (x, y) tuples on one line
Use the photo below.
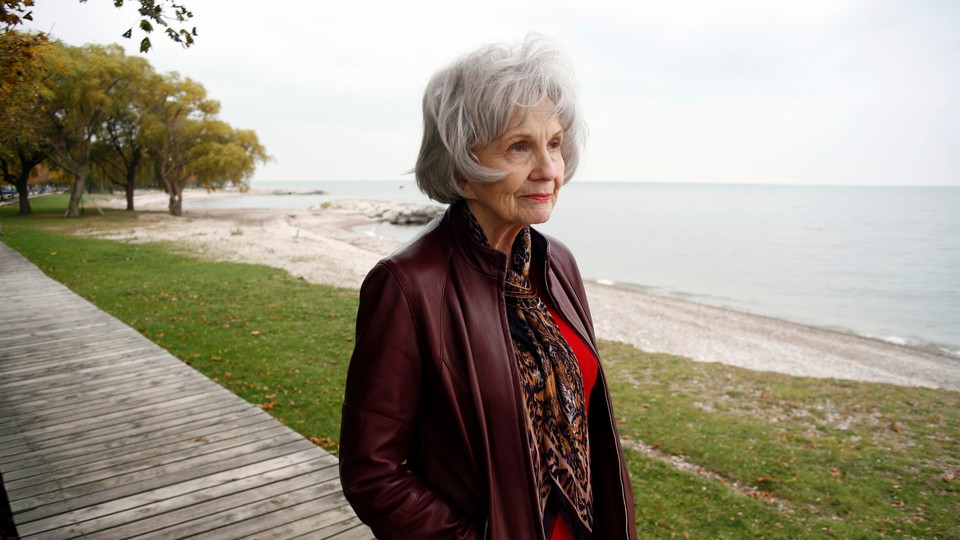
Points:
[(320, 245)]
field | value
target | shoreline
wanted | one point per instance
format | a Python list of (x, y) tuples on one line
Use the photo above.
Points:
[(320, 245)]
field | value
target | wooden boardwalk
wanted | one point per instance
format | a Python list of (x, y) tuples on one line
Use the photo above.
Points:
[(103, 434)]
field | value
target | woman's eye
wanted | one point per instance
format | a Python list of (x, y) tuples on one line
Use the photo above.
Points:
[(517, 147), (555, 144)]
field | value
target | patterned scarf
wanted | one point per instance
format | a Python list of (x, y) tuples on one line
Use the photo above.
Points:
[(553, 388)]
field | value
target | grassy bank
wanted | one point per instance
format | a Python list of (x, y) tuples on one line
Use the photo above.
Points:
[(715, 451)]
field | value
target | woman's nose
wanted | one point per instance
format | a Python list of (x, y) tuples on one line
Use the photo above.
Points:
[(546, 166)]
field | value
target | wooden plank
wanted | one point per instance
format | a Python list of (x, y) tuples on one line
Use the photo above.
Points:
[(76, 406), (318, 526), (262, 505), (313, 512), (193, 507), (86, 373), (175, 421), (192, 489), (208, 512), (70, 498), (214, 431), (47, 410), (145, 471), (34, 364), (360, 532), (116, 421), (36, 395), (37, 365), (103, 433), (311, 527), (118, 461), (148, 506)]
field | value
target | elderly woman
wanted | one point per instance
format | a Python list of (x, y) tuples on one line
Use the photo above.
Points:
[(475, 404)]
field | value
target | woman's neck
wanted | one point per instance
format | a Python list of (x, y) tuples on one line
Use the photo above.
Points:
[(499, 235)]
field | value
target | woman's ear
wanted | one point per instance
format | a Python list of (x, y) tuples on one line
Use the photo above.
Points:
[(466, 187)]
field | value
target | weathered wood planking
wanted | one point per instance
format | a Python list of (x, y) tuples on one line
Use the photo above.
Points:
[(103, 434)]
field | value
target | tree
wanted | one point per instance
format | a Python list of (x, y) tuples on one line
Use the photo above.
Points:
[(16, 168), (14, 12), (78, 93), (189, 145), (22, 145), (120, 150), (227, 156), (159, 12)]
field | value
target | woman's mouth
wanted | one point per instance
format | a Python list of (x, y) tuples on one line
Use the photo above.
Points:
[(539, 197)]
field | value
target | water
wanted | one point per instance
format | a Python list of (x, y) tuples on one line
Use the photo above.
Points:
[(878, 261)]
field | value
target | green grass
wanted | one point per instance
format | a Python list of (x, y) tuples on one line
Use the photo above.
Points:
[(824, 458), (787, 457)]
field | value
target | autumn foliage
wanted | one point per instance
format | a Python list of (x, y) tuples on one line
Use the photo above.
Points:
[(99, 117)]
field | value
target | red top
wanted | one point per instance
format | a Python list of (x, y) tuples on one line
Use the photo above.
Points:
[(589, 369)]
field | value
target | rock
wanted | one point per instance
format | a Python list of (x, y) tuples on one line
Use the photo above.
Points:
[(390, 212), (412, 214)]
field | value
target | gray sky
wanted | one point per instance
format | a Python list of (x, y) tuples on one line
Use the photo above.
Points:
[(744, 91)]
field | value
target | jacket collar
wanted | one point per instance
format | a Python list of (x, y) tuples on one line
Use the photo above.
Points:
[(484, 259)]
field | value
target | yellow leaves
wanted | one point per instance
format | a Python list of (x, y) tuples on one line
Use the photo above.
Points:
[(322, 441), (268, 406)]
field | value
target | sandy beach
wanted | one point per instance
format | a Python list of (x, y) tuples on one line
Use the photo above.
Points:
[(321, 246)]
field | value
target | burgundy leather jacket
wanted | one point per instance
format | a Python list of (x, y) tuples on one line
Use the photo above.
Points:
[(433, 442)]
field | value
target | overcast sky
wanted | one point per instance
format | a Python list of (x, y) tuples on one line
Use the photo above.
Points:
[(743, 91)]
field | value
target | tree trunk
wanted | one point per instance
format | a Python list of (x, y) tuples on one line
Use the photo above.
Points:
[(129, 189), (22, 179), (24, 193), (132, 177), (76, 192), (176, 201)]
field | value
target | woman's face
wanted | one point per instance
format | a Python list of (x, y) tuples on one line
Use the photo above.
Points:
[(529, 152)]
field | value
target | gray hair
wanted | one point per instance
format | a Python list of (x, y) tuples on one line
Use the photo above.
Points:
[(471, 102)]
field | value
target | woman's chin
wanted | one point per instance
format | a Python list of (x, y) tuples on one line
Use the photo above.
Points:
[(539, 213)]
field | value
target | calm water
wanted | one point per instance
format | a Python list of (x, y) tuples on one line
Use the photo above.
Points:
[(878, 261)]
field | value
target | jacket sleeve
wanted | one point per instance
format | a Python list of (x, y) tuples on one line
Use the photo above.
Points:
[(379, 417)]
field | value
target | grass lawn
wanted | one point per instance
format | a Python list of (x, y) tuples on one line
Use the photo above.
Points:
[(714, 451)]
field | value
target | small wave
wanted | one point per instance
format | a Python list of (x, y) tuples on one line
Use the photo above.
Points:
[(606, 282), (366, 230), (921, 344), (897, 340)]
